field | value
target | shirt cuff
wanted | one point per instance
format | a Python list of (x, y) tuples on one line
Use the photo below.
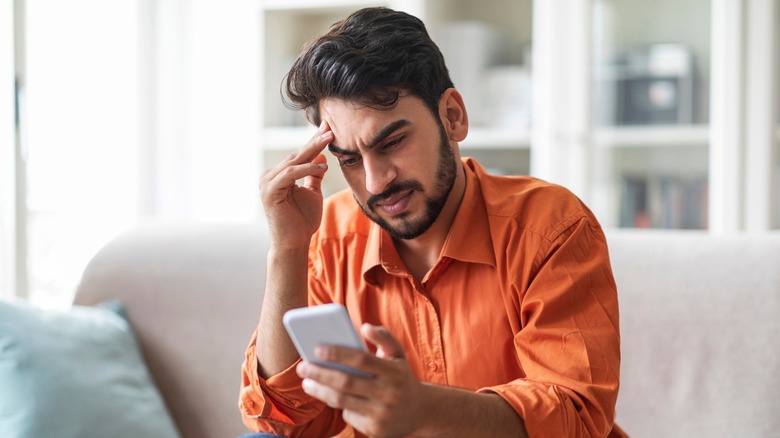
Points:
[(280, 398)]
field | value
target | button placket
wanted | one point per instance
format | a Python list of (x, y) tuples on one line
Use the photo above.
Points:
[(429, 338)]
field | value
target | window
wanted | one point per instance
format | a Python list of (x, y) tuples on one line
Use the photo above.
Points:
[(133, 111)]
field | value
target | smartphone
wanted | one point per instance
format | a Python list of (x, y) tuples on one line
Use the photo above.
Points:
[(325, 324)]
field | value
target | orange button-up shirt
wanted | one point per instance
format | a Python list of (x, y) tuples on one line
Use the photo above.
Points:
[(521, 303)]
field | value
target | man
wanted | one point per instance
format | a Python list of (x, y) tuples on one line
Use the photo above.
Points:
[(487, 303)]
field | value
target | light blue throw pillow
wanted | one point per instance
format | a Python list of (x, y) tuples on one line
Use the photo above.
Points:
[(75, 374)]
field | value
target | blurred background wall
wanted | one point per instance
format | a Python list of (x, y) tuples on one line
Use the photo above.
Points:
[(659, 114)]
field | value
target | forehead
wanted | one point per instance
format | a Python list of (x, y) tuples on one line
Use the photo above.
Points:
[(350, 120)]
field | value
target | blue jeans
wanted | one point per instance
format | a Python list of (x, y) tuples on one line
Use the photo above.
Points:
[(259, 435)]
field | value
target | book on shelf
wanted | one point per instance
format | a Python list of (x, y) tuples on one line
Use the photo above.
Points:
[(662, 201)]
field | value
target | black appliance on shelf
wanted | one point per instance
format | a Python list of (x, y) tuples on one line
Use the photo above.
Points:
[(648, 86)]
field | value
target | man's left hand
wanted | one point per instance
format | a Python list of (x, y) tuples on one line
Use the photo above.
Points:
[(386, 405)]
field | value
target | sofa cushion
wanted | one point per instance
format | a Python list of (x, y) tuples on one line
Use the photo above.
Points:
[(75, 374), (700, 333)]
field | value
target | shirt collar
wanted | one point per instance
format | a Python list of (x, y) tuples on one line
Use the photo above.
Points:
[(380, 251), (469, 239)]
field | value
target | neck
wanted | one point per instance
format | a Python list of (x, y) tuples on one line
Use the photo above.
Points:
[(421, 253)]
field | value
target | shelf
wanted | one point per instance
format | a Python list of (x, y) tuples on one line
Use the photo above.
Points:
[(652, 136), (285, 138), (616, 34), (497, 138)]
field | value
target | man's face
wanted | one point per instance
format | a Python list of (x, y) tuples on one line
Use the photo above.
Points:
[(398, 162)]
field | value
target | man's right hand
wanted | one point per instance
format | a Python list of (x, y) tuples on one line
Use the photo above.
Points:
[(294, 212)]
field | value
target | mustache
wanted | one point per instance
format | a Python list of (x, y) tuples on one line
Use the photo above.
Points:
[(393, 190)]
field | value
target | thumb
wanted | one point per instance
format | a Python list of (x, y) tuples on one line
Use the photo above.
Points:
[(387, 345)]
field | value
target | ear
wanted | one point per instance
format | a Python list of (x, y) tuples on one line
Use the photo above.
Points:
[(453, 115)]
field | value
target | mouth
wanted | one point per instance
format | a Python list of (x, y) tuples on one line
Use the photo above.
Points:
[(396, 204)]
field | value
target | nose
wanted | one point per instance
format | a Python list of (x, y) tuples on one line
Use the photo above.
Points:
[(379, 173)]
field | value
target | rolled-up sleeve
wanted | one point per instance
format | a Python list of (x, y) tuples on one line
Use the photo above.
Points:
[(569, 341), (278, 404)]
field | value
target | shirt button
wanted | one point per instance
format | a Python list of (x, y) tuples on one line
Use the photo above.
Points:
[(432, 366)]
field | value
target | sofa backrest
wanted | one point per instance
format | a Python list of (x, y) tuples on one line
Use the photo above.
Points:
[(700, 332), (193, 296), (700, 324)]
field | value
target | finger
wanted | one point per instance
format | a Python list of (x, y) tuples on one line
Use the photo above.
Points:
[(313, 147), (359, 360), (277, 190), (333, 387), (314, 182), (331, 397), (387, 345), (339, 380), (306, 154)]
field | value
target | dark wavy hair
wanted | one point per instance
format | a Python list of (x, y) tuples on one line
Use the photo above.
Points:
[(372, 57)]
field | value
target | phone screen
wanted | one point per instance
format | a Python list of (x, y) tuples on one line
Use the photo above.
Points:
[(326, 324)]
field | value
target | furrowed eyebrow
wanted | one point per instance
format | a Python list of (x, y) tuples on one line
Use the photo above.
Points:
[(337, 150), (381, 135)]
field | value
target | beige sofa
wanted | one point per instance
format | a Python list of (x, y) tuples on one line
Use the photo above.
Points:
[(700, 321)]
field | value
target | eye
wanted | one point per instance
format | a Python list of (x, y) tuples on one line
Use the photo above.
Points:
[(349, 162), (393, 143)]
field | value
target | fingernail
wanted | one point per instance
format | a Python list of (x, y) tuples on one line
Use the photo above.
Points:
[(322, 165), (307, 385), (326, 135)]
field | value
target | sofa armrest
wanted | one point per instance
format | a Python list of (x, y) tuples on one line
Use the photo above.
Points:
[(193, 296)]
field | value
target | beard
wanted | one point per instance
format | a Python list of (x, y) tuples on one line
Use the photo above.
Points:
[(407, 227)]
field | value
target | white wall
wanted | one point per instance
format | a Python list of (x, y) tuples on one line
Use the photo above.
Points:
[(206, 110), (7, 156)]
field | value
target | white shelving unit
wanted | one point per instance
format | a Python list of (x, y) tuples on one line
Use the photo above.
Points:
[(653, 136), (728, 147), (652, 70)]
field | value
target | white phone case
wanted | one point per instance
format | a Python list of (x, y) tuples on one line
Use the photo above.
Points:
[(326, 324)]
